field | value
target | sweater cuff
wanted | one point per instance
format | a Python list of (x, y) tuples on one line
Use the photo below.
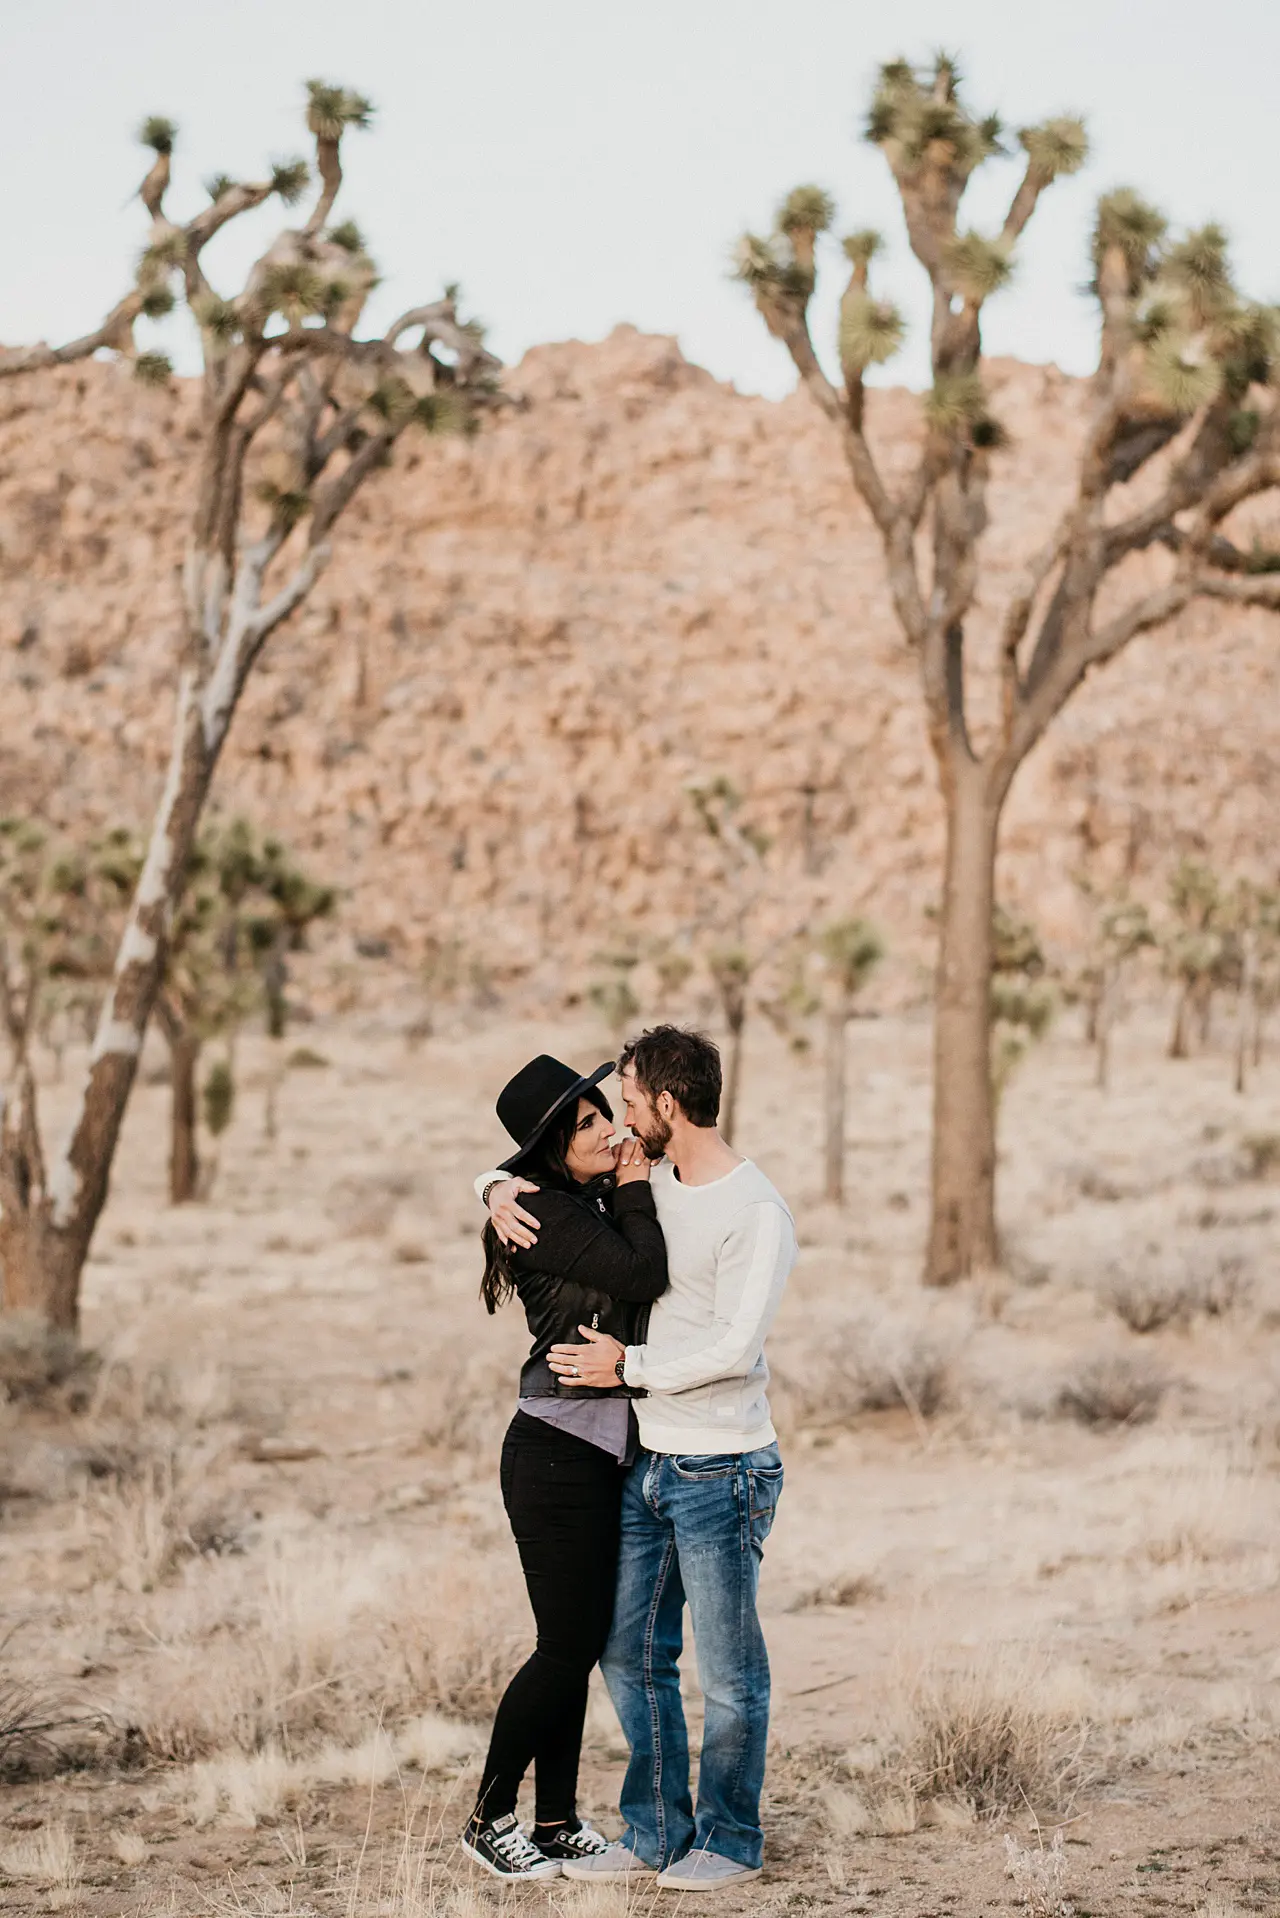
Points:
[(631, 1367), (643, 1199)]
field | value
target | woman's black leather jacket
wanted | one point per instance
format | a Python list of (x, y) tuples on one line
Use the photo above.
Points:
[(601, 1261)]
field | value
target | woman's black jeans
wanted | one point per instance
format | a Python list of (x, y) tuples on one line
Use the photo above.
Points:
[(562, 1498)]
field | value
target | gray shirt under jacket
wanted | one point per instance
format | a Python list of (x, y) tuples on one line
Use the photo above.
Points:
[(607, 1423)]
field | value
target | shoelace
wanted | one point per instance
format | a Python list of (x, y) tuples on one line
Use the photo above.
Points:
[(517, 1849), (585, 1839)]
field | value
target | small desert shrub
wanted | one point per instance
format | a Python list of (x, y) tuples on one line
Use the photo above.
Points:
[(896, 1365), (363, 1206), (37, 1724), (36, 1361), (306, 1059), (1147, 1300), (1112, 1389), (1165, 1289), (844, 1591), (1039, 1877), (1261, 1154)]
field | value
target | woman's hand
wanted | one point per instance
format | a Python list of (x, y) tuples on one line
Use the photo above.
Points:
[(512, 1223), (632, 1162)]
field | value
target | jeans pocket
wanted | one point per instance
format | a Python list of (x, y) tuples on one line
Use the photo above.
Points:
[(764, 1483), (705, 1464)]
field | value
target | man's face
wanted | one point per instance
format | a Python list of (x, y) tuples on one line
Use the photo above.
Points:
[(648, 1124)]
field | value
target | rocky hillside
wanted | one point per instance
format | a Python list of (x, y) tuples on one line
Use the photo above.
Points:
[(485, 723)]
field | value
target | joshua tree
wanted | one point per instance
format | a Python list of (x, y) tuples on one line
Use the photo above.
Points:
[(850, 950), (1251, 918), (296, 413), (731, 968), (1022, 999), (1181, 390), (1197, 950), (56, 904), (613, 995), (732, 962), (1122, 930), (243, 908)]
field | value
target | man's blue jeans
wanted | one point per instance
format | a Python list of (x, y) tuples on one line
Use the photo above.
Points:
[(693, 1529)]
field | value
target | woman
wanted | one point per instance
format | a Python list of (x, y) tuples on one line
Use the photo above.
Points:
[(600, 1260)]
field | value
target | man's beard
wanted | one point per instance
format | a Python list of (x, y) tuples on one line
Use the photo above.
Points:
[(655, 1139)]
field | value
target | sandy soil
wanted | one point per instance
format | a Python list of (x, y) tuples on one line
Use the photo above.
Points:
[(261, 1552)]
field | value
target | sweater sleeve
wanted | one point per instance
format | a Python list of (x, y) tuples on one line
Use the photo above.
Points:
[(489, 1178), (625, 1257), (750, 1273)]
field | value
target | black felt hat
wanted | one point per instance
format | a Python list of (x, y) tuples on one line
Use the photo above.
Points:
[(528, 1103)]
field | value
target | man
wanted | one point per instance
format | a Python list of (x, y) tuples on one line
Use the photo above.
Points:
[(700, 1498)]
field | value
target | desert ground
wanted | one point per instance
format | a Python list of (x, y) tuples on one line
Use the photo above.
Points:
[(1022, 1597)]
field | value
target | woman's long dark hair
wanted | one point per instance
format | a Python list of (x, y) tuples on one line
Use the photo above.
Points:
[(546, 1167)]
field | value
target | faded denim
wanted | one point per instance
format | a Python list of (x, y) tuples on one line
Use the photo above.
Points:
[(693, 1531)]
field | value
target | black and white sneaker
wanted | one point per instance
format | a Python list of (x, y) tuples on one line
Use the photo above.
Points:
[(584, 1842), (503, 1851)]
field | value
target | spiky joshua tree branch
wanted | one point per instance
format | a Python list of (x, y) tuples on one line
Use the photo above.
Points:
[(297, 412), (1184, 386)]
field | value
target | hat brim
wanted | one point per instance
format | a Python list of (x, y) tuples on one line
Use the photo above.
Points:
[(574, 1091)]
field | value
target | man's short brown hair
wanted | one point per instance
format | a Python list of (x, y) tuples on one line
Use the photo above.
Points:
[(685, 1064)]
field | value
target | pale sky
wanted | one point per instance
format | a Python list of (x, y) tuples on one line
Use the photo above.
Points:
[(575, 163)]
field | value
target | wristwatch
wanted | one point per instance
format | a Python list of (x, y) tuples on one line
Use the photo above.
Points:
[(620, 1367)]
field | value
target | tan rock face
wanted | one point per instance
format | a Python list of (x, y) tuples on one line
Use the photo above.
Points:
[(484, 723)]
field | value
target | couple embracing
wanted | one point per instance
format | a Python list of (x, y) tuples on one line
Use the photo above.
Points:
[(640, 1472)]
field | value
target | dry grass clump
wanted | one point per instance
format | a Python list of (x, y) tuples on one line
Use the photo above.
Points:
[(1202, 1503), (257, 1788), (998, 1735), (1111, 1388), (131, 1848), (467, 1410), (1003, 1732), (316, 1639), (138, 1524), (48, 1856)]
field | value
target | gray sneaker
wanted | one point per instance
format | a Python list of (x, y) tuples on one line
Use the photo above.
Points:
[(705, 1871), (615, 1861)]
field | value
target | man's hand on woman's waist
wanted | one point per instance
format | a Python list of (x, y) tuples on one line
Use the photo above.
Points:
[(595, 1363)]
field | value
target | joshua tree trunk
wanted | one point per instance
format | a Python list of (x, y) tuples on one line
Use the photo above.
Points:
[(1246, 1015), (1103, 1008), (834, 1100), (1179, 1046), (733, 1074), (184, 1154), (184, 1062), (962, 1235)]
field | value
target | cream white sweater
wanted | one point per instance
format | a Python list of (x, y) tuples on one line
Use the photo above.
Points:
[(730, 1248)]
